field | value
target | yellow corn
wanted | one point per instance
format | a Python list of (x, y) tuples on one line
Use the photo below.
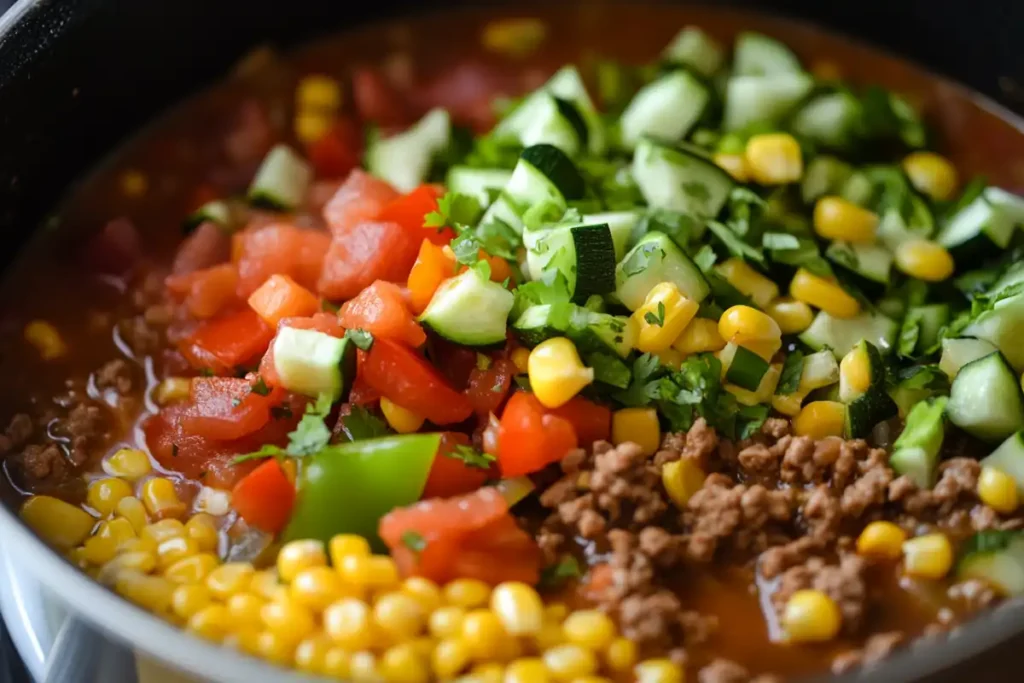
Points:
[(120, 531), (336, 663), (311, 653), (423, 591), (589, 628), (99, 550), (230, 578), (483, 633), (735, 165), (276, 648), (172, 550), (742, 325), (165, 529), (401, 420), (838, 219), (399, 616), (288, 619), (317, 587), (855, 371), (446, 622), (881, 539), (663, 316), (374, 571), (310, 126), (928, 557), (103, 495), (191, 569), (788, 404), (819, 419), (363, 668), (556, 372), (317, 92), (172, 390), (137, 561), (134, 183), (658, 671), (343, 545), (403, 664), (748, 281), (823, 294), (133, 511), (811, 616), (519, 608), (670, 358), (188, 599), (127, 463), (792, 316), (202, 529), (160, 498), (150, 592), (925, 260), (931, 174), (514, 37), (998, 490), (700, 336), (245, 608), (449, 658), (620, 655), (637, 425), (681, 479), (349, 624), (489, 672), (526, 670), (774, 159), (60, 524), (521, 359), (295, 556), (566, 662), (46, 339)]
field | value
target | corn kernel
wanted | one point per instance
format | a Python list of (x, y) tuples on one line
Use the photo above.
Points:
[(928, 557), (550, 635), (319, 93), (931, 174), (127, 463), (310, 126), (639, 426), (173, 550), (398, 615), (139, 562), (46, 339), (244, 639), (275, 647), (133, 510), (748, 281), (245, 608), (103, 495), (925, 260), (369, 572), (295, 556), (403, 664), (466, 593), (521, 359), (998, 490), (774, 159), (317, 587), (192, 569), (120, 531), (161, 531), (743, 325), (188, 599), (526, 670), (514, 37), (681, 479), (620, 655), (150, 592), (348, 623), (401, 420), (556, 372), (60, 524), (792, 316), (449, 658), (216, 503), (311, 653), (161, 500), (446, 622), (424, 591), (288, 619), (483, 633), (347, 544), (811, 616), (788, 404), (363, 668), (700, 336), (819, 419), (336, 663), (590, 628), (488, 672), (733, 164), (663, 316), (519, 608), (172, 390), (881, 539), (566, 662), (203, 530), (823, 294), (855, 372), (230, 578), (99, 550), (838, 219), (134, 183)]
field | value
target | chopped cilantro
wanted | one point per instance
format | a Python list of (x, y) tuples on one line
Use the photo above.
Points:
[(311, 434), (658, 319), (260, 387), (361, 424), (792, 369), (555, 575), (471, 456), (414, 541), (361, 338), (705, 258), (453, 210), (644, 369)]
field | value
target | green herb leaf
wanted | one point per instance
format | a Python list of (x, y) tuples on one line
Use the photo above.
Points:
[(454, 210), (414, 541), (361, 424), (789, 378), (260, 387), (645, 369), (734, 244), (990, 541), (705, 258), (311, 435), (555, 575), (656, 319), (361, 338), (471, 456)]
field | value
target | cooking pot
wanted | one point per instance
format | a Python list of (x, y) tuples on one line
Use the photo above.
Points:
[(79, 76)]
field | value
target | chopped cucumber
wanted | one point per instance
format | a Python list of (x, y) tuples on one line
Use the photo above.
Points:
[(469, 309), (869, 266), (958, 352), (867, 354), (828, 119), (983, 226), (477, 182), (404, 159), (217, 211), (656, 259), (842, 335), (763, 100), (1003, 325), (866, 408), (583, 254), (1008, 457), (824, 175), (916, 452), (757, 55), (985, 399), (665, 109), (746, 369), (312, 363), (680, 178), (696, 50), (281, 181), (996, 558)]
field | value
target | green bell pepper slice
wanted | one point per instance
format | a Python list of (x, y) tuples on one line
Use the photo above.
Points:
[(347, 488)]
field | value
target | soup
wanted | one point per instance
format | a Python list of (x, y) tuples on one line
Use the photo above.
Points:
[(544, 354)]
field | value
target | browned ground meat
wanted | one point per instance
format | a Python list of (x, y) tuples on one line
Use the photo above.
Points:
[(116, 375), (843, 582), (875, 648), (723, 671)]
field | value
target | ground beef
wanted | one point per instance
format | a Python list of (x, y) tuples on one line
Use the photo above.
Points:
[(17, 433), (741, 517), (723, 671), (697, 444), (774, 561), (958, 480), (876, 647), (843, 582), (116, 375), (84, 427), (141, 336), (39, 462)]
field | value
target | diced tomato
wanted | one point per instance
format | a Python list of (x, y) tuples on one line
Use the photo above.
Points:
[(322, 322), (281, 249), (410, 210), (450, 475), (592, 421), (473, 536), (230, 341), (207, 246), (488, 388), (360, 198), (206, 292), (453, 361), (228, 408), (282, 297), (336, 153), (600, 578), (264, 498), (432, 267), (368, 251), (530, 437), (380, 309), (410, 381)]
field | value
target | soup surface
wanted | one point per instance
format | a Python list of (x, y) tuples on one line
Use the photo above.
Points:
[(352, 360)]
